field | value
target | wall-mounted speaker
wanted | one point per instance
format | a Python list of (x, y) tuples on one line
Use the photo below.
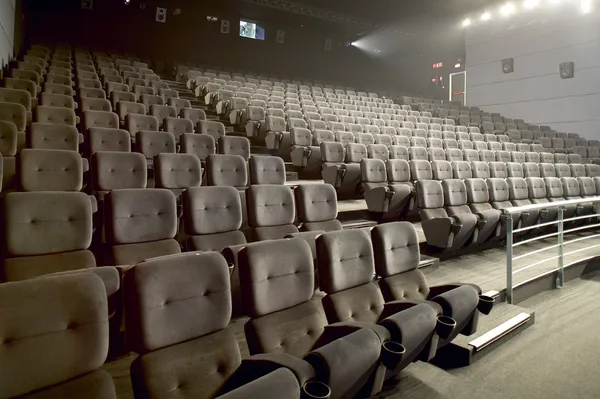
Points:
[(161, 14), (567, 70), (225, 26), (508, 65), (328, 44), (280, 38), (87, 4)]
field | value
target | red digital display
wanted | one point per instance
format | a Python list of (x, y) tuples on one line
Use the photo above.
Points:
[(438, 65)]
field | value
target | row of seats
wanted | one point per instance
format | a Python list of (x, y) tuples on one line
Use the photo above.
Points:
[(457, 213), (375, 344), (140, 223)]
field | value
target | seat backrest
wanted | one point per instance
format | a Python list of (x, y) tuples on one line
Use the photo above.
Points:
[(455, 193), (140, 215), (231, 145), (270, 205), (536, 187), (461, 170), (477, 191), (514, 169), (398, 171), (151, 143), (177, 171), (481, 170), (317, 207), (50, 136), (547, 170), (267, 170), (194, 114), (278, 308), (554, 187), (178, 126), (137, 122), (378, 151), (517, 188), (211, 210), (562, 170), (498, 189), (587, 187), (570, 187), (498, 169), (430, 194), (346, 269), (332, 152), (227, 170), (531, 169), (104, 119), (420, 170), (114, 170), (15, 113), (577, 170), (215, 129), (50, 170), (441, 170), (77, 301), (201, 145)]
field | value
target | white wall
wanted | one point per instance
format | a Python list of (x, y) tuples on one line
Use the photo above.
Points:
[(7, 31), (534, 91)]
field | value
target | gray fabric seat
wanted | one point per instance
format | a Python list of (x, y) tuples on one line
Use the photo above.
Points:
[(489, 219), (345, 177), (303, 153), (266, 170), (176, 348), (108, 139), (279, 309), (386, 187), (215, 129), (447, 228), (346, 270), (92, 119), (67, 360), (397, 256), (271, 211), (152, 143), (177, 172), (227, 170), (140, 224), (537, 195), (112, 170), (231, 145), (519, 196), (50, 170), (500, 197), (178, 126), (280, 384), (135, 123), (317, 207), (58, 233), (201, 145), (50, 136), (213, 218)]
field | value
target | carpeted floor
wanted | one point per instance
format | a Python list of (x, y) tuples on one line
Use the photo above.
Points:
[(557, 358)]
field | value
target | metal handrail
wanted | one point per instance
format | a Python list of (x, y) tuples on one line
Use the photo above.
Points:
[(559, 234), (533, 207)]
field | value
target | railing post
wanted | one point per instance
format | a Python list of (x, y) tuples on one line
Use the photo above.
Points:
[(560, 279), (509, 258)]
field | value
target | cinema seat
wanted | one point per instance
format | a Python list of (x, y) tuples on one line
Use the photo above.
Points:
[(397, 256), (59, 243), (51, 363), (140, 224), (284, 306)]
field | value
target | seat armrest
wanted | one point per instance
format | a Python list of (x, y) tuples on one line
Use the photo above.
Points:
[(393, 307), (94, 202), (262, 364), (346, 364), (413, 327), (458, 303), (440, 289)]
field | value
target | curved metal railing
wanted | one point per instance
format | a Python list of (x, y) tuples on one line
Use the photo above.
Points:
[(591, 221)]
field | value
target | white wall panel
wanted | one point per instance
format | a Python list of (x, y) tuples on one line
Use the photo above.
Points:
[(534, 91)]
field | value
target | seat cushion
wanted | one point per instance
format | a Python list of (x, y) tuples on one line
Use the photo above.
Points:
[(15, 269)]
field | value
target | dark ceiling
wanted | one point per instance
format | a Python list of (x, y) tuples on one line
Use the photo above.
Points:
[(397, 11)]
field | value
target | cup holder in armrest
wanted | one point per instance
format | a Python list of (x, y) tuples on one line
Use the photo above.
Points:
[(445, 326), (392, 353), (315, 390), (486, 303), (230, 266)]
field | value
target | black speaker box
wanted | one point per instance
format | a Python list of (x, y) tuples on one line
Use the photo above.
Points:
[(508, 65), (566, 70)]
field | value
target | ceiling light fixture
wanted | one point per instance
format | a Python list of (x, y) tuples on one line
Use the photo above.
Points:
[(586, 6), (486, 16), (466, 22), (507, 9), (531, 4)]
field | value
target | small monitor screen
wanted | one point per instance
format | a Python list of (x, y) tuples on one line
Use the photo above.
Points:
[(251, 30)]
